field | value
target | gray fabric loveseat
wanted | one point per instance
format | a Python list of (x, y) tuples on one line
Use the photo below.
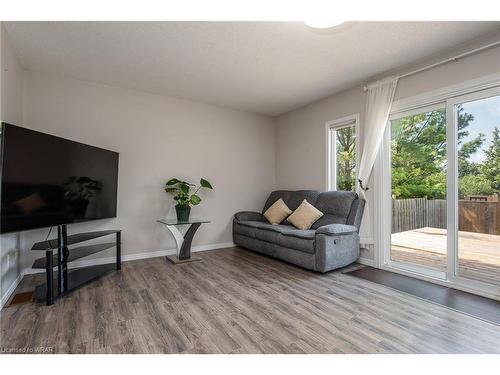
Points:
[(332, 242)]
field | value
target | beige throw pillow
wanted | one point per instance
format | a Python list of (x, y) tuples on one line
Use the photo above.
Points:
[(277, 212), (305, 215)]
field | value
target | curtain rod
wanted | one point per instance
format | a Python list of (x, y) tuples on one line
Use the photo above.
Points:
[(446, 61)]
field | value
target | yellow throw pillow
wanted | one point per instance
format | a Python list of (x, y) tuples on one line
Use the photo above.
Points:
[(277, 212), (305, 215)]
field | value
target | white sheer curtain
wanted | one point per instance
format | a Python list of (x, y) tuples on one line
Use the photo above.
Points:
[(378, 106)]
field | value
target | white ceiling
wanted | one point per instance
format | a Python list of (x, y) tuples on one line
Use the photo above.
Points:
[(262, 67)]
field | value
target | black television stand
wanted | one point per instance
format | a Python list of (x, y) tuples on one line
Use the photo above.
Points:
[(69, 280)]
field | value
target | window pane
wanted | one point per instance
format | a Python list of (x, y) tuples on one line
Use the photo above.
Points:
[(418, 157), (345, 148), (478, 145)]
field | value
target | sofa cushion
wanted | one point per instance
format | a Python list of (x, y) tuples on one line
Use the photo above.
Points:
[(327, 219), (283, 229), (252, 224), (267, 235), (335, 205), (265, 226), (274, 196), (284, 235), (304, 216), (299, 233), (278, 212), (292, 199), (297, 197), (302, 240), (261, 230), (244, 230)]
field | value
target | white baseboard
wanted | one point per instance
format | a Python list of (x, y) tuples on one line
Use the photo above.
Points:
[(367, 262), (366, 241), (136, 256), (11, 289)]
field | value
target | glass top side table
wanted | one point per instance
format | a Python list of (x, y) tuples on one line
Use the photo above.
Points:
[(183, 242)]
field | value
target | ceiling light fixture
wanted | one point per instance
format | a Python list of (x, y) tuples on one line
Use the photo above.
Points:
[(322, 23)]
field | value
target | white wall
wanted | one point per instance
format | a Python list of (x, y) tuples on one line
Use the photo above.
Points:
[(158, 138), (300, 134), (11, 111)]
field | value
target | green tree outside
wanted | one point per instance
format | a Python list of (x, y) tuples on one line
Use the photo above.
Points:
[(419, 157), (346, 158), (490, 169)]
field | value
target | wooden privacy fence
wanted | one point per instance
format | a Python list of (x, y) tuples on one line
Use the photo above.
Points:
[(473, 216), (414, 213), (479, 217)]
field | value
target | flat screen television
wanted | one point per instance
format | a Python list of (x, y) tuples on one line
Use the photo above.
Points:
[(48, 180)]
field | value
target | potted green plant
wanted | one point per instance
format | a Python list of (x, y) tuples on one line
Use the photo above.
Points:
[(181, 190)]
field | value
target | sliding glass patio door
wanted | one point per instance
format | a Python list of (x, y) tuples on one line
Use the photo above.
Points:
[(444, 171), (475, 188), (418, 240)]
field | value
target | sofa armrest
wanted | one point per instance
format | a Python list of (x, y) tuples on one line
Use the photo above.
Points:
[(336, 229), (249, 216)]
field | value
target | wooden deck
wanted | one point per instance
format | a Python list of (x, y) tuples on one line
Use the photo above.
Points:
[(479, 254)]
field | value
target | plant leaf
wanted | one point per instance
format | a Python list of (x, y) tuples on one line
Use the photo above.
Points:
[(195, 200), (204, 183), (172, 181), (184, 188), (183, 201)]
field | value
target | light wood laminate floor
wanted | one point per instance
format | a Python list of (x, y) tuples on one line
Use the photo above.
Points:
[(236, 301)]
